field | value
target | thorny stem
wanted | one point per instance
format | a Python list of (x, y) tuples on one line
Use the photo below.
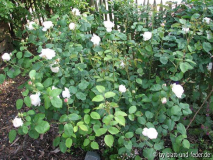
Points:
[(199, 109)]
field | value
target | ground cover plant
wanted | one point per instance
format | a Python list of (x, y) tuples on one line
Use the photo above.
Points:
[(129, 84)]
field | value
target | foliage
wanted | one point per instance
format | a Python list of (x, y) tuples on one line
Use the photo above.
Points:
[(98, 109)]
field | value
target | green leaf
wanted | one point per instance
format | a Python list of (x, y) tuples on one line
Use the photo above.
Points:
[(107, 119), (72, 89), (32, 74), (185, 66), (109, 94), (86, 118), (128, 145), (186, 144), (94, 145), (42, 127), (149, 153), (164, 59), (47, 82), (83, 85), (142, 120), (63, 147), (83, 127), (56, 141), (109, 140), (132, 109), (27, 101), (149, 114), (55, 92), (68, 129), (19, 103), (19, 55), (81, 96), (12, 135), (100, 131), (56, 102), (129, 134), (33, 134), (207, 46), (181, 128), (68, 142), (86, 142), (120, 113), (182, 21), (121, 120), (113, 130), (139, 81), (95, 115), (100, 89), (47, 102), (2, 78), (156, 87), (175, 110), (73, 117), (98, 98)]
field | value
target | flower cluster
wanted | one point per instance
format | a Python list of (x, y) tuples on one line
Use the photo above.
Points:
[(47, 25)]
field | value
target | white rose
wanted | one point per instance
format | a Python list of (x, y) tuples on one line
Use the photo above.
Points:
[(163, 100), (152, 133), (31, 26), (209, 67), (76, 12), (186, 30), (54, 69), (72, 26), (17, 122), (95, 39), (108, 25), (35, 99), (122, 64), (6, 57), (47, 25), (66, 93), (207, 20), (145, 131), (147, 36), (47, 53), (177, 89), (122, 88)]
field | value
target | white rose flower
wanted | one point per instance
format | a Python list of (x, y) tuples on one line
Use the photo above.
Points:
[(145, 131), (47, 53), (47, 25), (209, 67), (17, 122), (122, 64), (186, 30), (207, 20), (109, 25), (147, 36), (6, 57), (72, 26), (76, 11), (163, 100), (95, 39), (35, 99), (66, 93), (54, 69), (122, 88), (152, 133), (177, 89), (31, 25)]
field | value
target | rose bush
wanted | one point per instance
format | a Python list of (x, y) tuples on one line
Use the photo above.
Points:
[(92, 82)]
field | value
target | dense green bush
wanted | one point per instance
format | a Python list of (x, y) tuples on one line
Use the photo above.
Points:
[(133, 92)]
